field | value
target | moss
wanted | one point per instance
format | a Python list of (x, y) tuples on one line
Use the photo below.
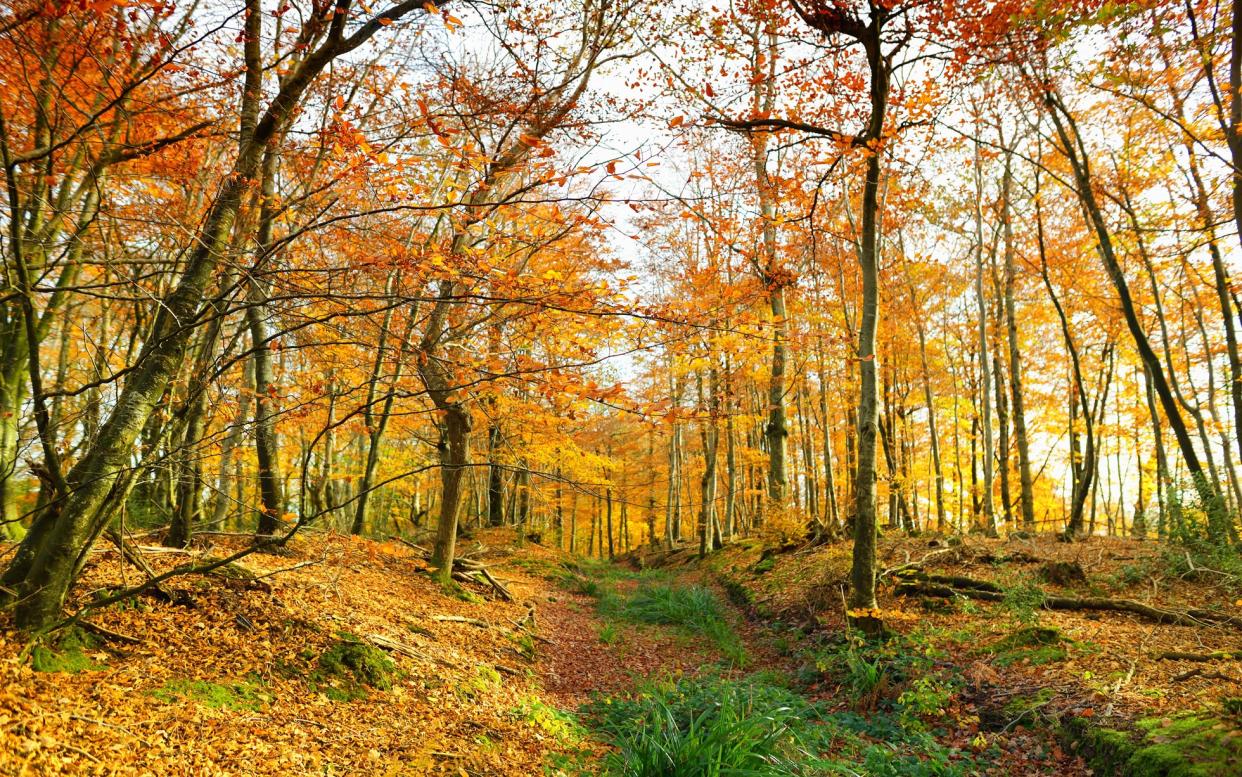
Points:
[(737, 593), (1164, 761), (1033, 645), (1188, 746), (66, 653), (350, 666), (937, 606), (1048, 654), (1031, 636), (243, 695), (766, 564), (1191, 745), (458, 591), (1021, 706), (525, 645)]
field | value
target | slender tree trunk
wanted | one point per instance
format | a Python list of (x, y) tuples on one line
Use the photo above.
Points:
[(573, 523), (12, 395), (1076, 154), (985, 377), (377, 422), (495, 477), (608, 503), (830, 487), (1026, 486), (1083, 470), (265, 397), (454, 450), (710, 434), (929, 400), (730, 462)]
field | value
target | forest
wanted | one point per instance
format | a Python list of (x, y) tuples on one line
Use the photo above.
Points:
[(499, 387)]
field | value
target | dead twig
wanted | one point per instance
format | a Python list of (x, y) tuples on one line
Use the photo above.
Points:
[(1206, 675), (108, 634), (461, 619), (1177, 655), (299, 565), (106, 724)]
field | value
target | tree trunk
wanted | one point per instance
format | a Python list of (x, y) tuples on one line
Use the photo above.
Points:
[(985, 377), (1084, 470), (454, 450), (377, 423), (1071, 142), (862, 571), (929, 400), (1026, 494)]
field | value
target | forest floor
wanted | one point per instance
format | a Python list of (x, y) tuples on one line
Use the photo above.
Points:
[(344, 657)]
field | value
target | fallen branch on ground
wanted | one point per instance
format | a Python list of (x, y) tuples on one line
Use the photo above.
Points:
[(465, 568), (1219, 655), (1206, 675), (426, 553), (393, 646), (461, 619), (282, 570), (260, 543), (953, 581), (910, 565), (109, 634), (1192, 617), (135, 557)]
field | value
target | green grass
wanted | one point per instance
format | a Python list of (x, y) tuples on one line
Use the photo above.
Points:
[(693, 608), (751, 727), (704, 729), (609, 634)]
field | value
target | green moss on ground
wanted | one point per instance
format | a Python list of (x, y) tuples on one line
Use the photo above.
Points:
[(1024, 706), (1188, 745), (349, 667), (1033, 645), (66, 652), (244, 695)]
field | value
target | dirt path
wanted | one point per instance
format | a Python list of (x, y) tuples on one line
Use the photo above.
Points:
[(582, 663)]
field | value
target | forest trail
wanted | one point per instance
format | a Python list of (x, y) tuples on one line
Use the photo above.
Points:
[(343, 657)]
